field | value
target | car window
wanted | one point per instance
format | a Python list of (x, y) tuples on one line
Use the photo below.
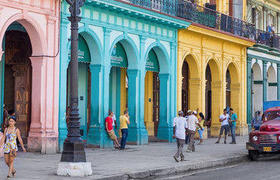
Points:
[(271, 115)]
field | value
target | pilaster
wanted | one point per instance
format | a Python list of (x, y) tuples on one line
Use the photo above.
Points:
[(249, 92), (278, 82), (264, 81)]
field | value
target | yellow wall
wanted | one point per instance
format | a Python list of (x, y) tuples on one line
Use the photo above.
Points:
[(200, 47), (148, 118)]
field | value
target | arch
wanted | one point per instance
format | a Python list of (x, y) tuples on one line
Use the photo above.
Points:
[(271, 75), (130, 49), (272, 84), (233, 72), (215, 70), (93, 43), (257, 72), (193, 65), (35, 33), (162, 55)]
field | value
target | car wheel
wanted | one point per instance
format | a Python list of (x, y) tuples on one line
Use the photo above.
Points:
[(253, 155)]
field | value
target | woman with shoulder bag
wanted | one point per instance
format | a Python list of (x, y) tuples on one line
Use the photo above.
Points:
[(10, 136)]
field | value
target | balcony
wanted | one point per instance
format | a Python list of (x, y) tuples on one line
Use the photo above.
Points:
[(201, 15), (267, 38)]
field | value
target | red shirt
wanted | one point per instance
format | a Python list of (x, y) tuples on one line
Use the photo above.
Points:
[(109, 122)]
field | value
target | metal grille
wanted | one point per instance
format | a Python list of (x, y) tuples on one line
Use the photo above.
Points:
[(268, 139)]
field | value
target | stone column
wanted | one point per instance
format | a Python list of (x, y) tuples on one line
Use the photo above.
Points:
[(105, 140), (137, 131), (249, 92), (195, 94), (264, 81), (278, 82), (95, 132), (218, 88), (38, 108), (64, 61), (165, 128)]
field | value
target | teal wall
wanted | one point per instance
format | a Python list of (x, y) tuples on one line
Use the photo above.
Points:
[(139, 31)]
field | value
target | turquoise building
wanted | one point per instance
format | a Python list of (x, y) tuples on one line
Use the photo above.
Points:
[(127, 60)]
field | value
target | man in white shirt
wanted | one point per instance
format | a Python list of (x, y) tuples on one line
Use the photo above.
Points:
[(189, 112), (179, 132), (192, 123), (224, 126)]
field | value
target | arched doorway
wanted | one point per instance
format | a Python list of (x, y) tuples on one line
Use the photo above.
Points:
[(233, 91), (84, 86), (118, 87), (257, 88), (191, 85), (208, 93), (272, 84), (185, 87), (228, 89), (16, 80), (152, 95)]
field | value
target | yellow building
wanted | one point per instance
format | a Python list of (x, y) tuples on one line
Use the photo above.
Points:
[(211, 69)]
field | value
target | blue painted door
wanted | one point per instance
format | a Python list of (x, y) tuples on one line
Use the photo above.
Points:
[(83, 97)]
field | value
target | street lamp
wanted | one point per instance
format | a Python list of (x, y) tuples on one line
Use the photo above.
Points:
[(73, 159)]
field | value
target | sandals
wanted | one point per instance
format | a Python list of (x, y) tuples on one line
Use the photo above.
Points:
[(14, 172)]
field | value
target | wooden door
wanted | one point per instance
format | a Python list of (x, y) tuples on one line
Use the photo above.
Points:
[(156, 101)]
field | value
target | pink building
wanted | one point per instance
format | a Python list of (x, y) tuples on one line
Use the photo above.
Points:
[(29, 69)]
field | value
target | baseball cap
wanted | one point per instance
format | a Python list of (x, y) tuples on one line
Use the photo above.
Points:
[(194, 112)]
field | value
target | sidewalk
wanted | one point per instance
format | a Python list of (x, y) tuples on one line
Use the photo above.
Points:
[(135, 162)]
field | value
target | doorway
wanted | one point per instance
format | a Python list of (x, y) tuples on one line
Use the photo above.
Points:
[(18, 77)]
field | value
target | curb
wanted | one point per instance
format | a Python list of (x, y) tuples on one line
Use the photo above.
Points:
[(179, 169)]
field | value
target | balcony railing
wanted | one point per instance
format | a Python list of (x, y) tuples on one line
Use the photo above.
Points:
[(201, 15), (267, 38)]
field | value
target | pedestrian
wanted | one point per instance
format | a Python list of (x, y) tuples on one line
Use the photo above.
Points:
[(192, 123), (201, 120), (124, 122), (232, 120), (224, 126), (114, 120), (187, 139), (1, 147), (110, 130), (11, 133), (257, 121), (179, 132)]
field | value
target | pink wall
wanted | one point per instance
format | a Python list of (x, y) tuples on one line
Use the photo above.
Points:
[(41, 21)]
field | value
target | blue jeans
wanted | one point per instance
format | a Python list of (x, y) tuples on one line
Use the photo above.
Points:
[(124, 137), (232, 129), (200, 132), (187, 140)]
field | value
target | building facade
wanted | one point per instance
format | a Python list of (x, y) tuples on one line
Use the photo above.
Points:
[(127, 60), (211, 70), (29, 69), (263, 62)]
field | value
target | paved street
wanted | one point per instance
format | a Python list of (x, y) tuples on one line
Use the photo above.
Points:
[(263, 169), (108, 163)]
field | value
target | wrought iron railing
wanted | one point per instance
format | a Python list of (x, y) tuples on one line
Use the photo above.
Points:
[(268, 38), (201, 15)]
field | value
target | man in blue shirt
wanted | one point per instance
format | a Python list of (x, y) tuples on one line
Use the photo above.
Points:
[(257, 121), (233, 118)]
